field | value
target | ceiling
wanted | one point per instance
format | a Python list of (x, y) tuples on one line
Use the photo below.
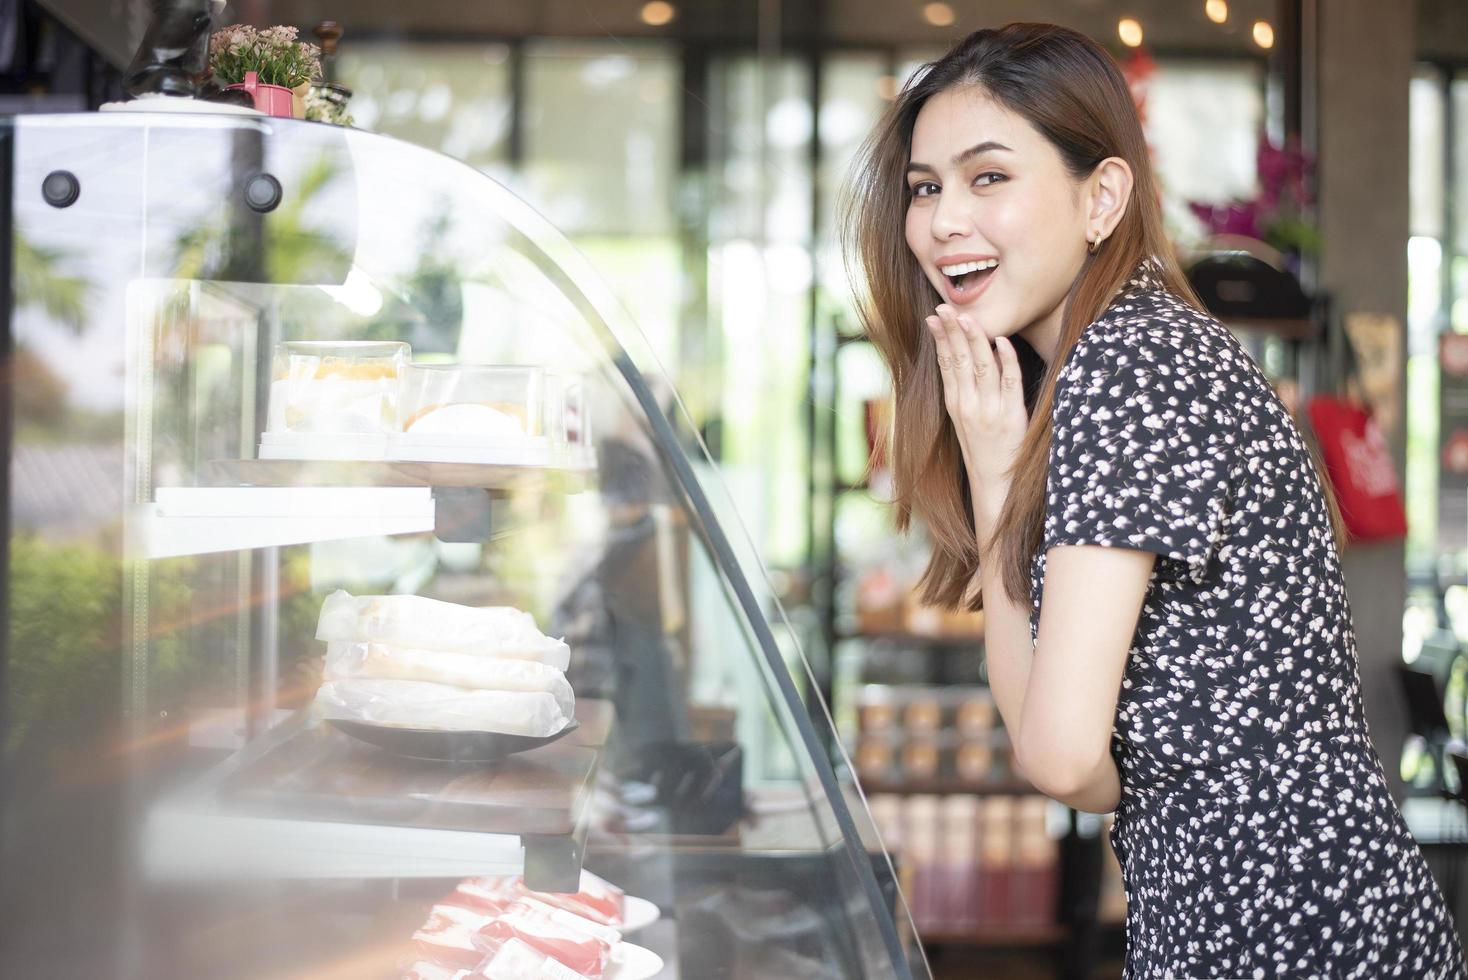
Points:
[(1170, 26)]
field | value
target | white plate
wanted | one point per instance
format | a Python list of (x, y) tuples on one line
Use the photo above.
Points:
[(629, 962), (637, 913)]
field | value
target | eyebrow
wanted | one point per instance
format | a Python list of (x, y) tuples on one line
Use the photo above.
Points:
[(963, 157)]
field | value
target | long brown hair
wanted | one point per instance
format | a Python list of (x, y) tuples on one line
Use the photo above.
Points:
[(1072, 92)]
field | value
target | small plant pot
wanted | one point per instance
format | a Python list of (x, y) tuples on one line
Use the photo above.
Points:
[(273, 100)]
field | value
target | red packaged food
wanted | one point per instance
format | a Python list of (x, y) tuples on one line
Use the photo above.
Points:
[(447, 937), (580, 923), (598, 900), (491, 893), (429, 970), (554, 932), (517, 961)]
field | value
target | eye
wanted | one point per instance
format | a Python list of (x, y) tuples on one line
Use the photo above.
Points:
[(924, 188), (983, 181)]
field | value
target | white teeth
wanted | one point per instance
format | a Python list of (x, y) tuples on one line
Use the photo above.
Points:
[(965, 268)]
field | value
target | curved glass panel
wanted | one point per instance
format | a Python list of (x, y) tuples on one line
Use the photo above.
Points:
[(271, 380)]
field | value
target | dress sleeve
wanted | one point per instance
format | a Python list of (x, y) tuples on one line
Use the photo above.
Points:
[(1142, 446)]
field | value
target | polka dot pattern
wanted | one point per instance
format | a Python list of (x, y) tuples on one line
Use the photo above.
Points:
[(1256, 833)]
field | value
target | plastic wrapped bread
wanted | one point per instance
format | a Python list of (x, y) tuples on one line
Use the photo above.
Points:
[(429, 624), (349, 661), (441, 707)]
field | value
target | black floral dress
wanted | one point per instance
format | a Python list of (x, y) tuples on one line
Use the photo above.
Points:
[(1256, 834)]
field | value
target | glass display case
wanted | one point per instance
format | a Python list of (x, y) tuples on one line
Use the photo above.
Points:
[(371, 609)]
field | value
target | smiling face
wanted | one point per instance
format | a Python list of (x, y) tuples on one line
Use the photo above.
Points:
[(995, 220)]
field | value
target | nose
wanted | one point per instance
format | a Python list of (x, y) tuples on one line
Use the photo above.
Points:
[(949, 218)]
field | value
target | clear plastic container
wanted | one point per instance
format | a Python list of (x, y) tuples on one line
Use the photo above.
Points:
[(333, 399), (568, 419), (481, 402), (508, 415)]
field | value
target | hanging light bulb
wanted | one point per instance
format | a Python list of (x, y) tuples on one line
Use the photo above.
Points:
[(1263, 34), (658, 13), (939, 14), (1217, 10), (1129, 29)]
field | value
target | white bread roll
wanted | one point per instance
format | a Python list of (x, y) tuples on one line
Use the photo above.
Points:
[(428, 624)]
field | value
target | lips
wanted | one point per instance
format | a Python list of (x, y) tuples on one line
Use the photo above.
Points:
[(969, 286)]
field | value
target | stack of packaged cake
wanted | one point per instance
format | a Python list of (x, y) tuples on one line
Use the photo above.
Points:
[(494, 928), (412, 662)]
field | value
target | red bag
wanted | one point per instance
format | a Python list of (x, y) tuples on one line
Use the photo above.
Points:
[(1358, 462)]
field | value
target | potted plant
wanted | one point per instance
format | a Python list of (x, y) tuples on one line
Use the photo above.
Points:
[(270, 64)]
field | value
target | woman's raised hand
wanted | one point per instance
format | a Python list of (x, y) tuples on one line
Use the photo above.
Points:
[(984, 395)]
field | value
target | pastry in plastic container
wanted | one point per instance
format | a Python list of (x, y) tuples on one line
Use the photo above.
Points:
[(417, 622), (483, 401), (506, 415), (333, 399), (473, 413)]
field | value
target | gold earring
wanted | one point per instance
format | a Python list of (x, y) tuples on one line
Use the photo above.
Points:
[(1094, 245)]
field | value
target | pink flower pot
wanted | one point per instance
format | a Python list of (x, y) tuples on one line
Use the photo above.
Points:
[(273, 100)]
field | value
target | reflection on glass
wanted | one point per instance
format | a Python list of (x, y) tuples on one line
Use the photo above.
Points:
[(167, 774)]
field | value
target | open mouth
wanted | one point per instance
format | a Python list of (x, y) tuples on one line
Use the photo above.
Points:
[(967, 278)]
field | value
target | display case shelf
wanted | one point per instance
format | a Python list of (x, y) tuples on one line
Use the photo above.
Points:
[(205, 520), (972, 642), (307, 801), (948, 787), (390, 473)]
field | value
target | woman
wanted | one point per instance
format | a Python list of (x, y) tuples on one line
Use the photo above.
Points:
[(1168, 634)]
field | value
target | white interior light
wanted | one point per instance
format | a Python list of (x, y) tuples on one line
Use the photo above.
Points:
[(357, 293)]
